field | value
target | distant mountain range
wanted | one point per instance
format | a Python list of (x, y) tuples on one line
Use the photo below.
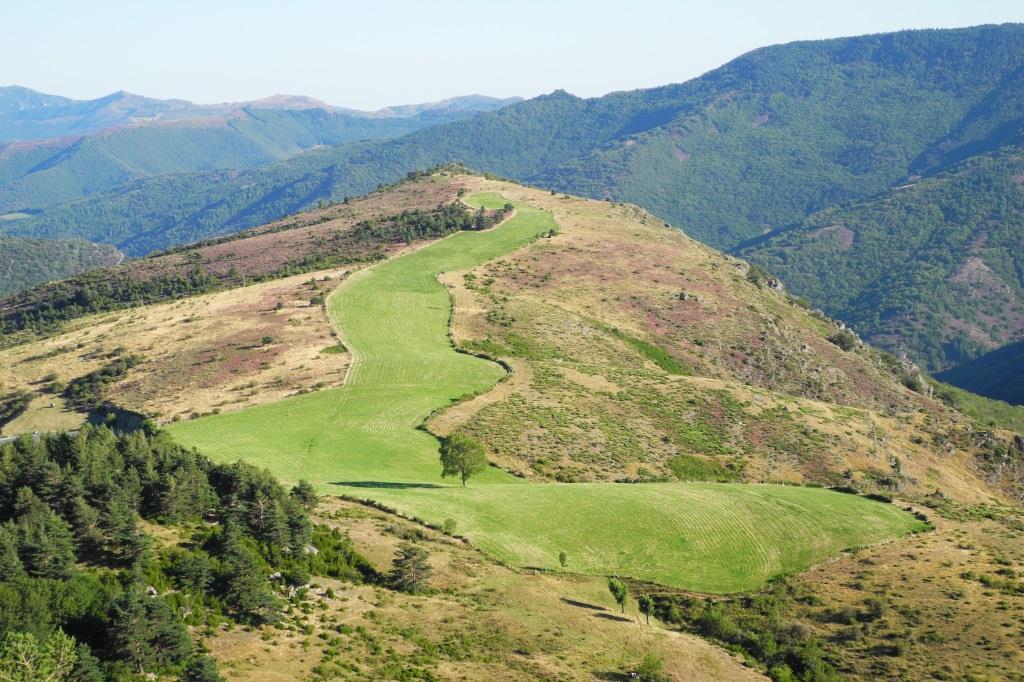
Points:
[(109, 142), (766, 156), (29, 115)]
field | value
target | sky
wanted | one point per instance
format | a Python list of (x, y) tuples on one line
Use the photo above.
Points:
[(372, 54)]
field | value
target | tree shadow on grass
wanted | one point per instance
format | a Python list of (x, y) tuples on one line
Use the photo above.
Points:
[(609, 616), (390, 485), (582, 604)]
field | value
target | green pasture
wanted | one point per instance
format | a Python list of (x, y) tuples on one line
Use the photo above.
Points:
[(394, 318), (361, 440), (708, 537)]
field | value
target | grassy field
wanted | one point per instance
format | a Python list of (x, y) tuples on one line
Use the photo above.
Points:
[(708, 537), (394, 318), (361, 440)]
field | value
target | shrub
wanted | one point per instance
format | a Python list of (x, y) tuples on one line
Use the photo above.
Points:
[(844, 339)]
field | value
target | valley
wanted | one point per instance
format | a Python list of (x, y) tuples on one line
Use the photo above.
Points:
[(714, 379)]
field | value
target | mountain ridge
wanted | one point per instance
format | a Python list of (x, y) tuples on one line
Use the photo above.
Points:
[(33, 113)]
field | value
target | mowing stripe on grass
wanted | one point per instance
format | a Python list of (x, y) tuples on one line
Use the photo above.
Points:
[(394, 318), (361, 440)]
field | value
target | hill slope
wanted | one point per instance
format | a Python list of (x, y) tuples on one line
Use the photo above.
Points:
[(618, 314), (998, 375), (752, 146), (933, 268), (36, 175), (637, 354), (25, 263)]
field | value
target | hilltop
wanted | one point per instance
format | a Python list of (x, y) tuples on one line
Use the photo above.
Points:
[(769, 383), (757, 157), (647, 372)]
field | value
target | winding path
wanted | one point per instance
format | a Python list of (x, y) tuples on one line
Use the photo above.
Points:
[(362, 440)]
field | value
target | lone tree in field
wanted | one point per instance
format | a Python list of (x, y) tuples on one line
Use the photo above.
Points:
[(462, 456), (619, 591), (647, 606), (563, 559), (411, 570)]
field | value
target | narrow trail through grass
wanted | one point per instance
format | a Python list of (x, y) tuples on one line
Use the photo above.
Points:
[(362, 440)]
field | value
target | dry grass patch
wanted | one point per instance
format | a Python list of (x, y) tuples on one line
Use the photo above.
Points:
[(221, 351), (482, 622)]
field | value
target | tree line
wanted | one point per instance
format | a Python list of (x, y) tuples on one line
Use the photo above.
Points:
[(84, 588)]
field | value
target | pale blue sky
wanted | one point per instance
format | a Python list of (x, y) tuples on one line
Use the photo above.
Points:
[(371, 54)]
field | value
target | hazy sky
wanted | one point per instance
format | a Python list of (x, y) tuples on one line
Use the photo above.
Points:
[(372, 54)]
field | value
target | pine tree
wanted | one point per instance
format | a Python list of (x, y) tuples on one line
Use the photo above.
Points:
[(87, 666), (171, 642), (201, 669), (305, 493), (45, 544), (130, 631), (10, 563), (248, 593), (411, 569)]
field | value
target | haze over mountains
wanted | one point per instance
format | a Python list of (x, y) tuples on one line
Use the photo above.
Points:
[(279, 378), (758, 156), (26, 114)]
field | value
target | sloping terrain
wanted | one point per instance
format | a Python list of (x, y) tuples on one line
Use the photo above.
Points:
[(349, 234), (483, 622), (25, 263), (39, 174), (774, 153), (933, 268), (237, 346), (753, 146), (637, 354), (998, 375), (361, 440)]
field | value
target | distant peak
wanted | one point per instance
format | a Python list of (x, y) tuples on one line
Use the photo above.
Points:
[(290, 102)]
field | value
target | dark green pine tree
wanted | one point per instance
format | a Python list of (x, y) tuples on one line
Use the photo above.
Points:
[(268, 522), (45, 543), (118, 523), (411, 570), (247, 593), (171, 642), (130, 632), (201, 669), (10, 563), (87, 666), (300, 530)]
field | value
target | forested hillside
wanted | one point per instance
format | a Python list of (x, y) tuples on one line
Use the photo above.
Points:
[(999, 374), (88, 593), (752, 146), (36, 175), (25, 263), (934, 267)]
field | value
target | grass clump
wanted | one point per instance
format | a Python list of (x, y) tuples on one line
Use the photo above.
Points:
[(655, 354), (690, 468)]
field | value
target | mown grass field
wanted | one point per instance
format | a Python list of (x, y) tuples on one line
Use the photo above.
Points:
[(394, 318), (361, 440)]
